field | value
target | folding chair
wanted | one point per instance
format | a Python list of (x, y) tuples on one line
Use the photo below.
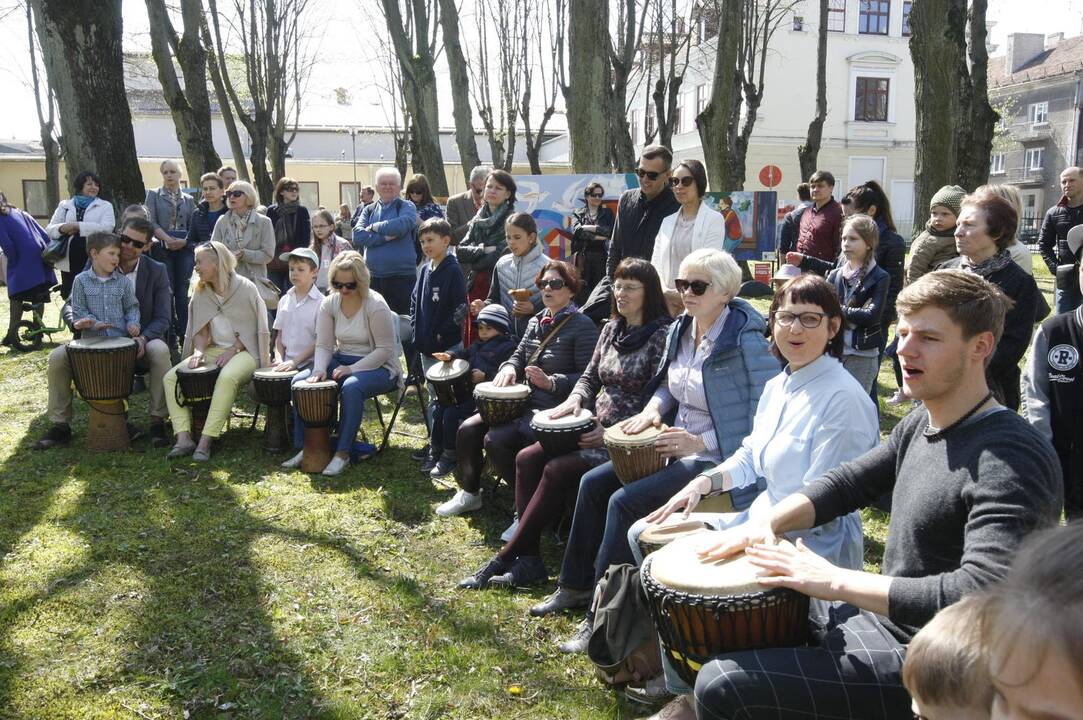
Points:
[(415, 378)]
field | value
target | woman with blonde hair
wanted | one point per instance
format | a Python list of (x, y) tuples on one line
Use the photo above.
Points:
[(227, 325), (357, 346), (171, 211), (327, 245), (249, 235)]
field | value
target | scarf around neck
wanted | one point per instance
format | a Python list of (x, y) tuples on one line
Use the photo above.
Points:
[(174, 198), (82, 202), (239, 223), (548, 318), (627, 339), (286, 226), (990, 266)]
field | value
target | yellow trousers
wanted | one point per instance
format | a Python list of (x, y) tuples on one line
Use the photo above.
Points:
[(236, 374)]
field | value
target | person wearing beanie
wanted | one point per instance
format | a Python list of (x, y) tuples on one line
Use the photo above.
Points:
[(491, 348), (936, 244)]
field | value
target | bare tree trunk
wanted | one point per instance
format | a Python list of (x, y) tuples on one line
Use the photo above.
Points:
[(215, 62), (547, 74), (589, 90), (976, 142), (189, 105), (460, 80), (46, 119), (81, 45), (622, 57), (717, 123), (808, 154)]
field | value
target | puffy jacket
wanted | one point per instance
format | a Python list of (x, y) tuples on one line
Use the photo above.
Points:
[(201, 228), (512, 273), (564, 358)]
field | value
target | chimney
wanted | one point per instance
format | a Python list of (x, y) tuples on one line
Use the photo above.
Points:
[(1022, 48), (1051, 41)]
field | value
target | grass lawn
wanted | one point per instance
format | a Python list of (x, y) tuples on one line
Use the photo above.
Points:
[(132, 587)]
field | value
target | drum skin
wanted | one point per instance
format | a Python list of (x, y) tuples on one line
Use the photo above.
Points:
[(272, 387), (561, 436), (634, 456), (655, 537), (451, 382), (500, 405)]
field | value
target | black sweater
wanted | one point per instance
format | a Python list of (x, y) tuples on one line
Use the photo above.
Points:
[(960, 506)]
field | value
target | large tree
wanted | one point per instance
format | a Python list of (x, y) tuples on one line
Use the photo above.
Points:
[(44, 96), (460, 80), (808, 154), (955, 122), (81, 45), (587, 93), (190, 104)]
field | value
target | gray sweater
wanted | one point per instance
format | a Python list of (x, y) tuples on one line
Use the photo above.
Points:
[(960, 506)]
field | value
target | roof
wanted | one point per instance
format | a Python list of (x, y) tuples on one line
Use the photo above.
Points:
[(1064, 59)]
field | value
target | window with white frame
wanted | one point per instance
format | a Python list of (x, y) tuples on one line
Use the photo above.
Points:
[(907, 7), (701, 99), (871, 99), (996, 164), (678, 115), (873, 17), (836, 16), (1035, 158), (1038, 113)]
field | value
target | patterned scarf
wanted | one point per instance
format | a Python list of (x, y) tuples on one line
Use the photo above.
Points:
[(175, 198), (239, 223), (990, 266), (286, 226)]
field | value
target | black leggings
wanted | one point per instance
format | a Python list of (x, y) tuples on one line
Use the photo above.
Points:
[(500, 442)]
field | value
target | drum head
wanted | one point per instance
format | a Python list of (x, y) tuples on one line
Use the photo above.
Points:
[(677, 566), (102, 343), (321, 385), (444, 371), (673, 528), (206, 367), (615, 436), (274, 374), (541, 419), (511, 392)]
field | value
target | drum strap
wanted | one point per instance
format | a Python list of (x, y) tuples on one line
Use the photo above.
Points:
[(545, 341)]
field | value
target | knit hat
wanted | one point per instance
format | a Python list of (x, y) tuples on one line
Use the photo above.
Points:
[(495, 316), (949, 196)]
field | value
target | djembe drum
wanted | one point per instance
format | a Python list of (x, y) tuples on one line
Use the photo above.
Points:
[(273, 390), (194, 390), (499, 405), (560, 436), (103, 369), (657, 536), (316, 404), (634, 456), (704, 609), (451, 382)]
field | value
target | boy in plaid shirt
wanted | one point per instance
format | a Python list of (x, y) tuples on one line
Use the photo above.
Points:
[(103, 301)]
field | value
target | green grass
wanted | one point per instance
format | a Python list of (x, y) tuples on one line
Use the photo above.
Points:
[(132, 587)]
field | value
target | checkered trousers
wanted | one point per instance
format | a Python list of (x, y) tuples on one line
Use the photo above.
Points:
[(852, 669)]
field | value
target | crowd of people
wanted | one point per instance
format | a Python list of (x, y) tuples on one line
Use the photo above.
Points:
[(644, 333)]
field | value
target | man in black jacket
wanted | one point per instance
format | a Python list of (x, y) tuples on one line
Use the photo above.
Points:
[(1053, 241), (639, 215)]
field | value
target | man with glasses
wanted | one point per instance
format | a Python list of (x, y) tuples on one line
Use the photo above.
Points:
[(152, 290), (639, 215), (820, 233)]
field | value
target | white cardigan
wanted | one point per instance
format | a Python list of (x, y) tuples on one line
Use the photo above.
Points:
[(708, 232), (97, 218)]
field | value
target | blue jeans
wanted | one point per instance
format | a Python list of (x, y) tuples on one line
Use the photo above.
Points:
[(1068, 300), (446, 420), (352, 393), (604, 512), (178, 267)]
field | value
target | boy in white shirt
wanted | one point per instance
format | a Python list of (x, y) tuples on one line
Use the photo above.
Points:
[(295, 320)]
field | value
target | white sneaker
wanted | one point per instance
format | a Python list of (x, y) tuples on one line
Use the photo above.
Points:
[(295, 461), (336, 466), (898, 398), (463, 502), (507, 534)]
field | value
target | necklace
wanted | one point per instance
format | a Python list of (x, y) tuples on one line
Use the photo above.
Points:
[(935, 435)]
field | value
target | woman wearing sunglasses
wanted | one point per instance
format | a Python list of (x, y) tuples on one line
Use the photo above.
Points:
[(293, 229), (715, 366), (592, 225), (227, 326), (693, 227), (248, 235), (357, 346), (624, 362), (558, 343)]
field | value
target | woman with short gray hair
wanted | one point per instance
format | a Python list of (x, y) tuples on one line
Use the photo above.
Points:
[(248, 235)]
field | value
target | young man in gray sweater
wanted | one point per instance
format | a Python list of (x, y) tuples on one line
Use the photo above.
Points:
[(969, 480)]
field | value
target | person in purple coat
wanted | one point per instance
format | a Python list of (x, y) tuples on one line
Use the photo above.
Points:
[(28, 276)]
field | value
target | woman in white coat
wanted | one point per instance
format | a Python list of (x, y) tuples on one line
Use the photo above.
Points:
[(248, 235), (79, 216), (694, 227)]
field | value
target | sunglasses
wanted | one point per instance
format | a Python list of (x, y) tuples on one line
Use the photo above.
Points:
[(678, 181), (649, 174), (235, 193), (137, 244), (596, 194), (698, 287), (343, 286), (555, 284)]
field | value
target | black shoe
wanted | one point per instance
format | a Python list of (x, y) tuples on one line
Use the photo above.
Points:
[(134, 433), (158, 437), (421, 455), (481, 578), (428, 464), (525, 571), (57, 435), (444, 466)]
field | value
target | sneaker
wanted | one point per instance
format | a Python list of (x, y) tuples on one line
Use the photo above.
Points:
[(421, 454), (898, 398), (679, 709), (651, 693), (444, 466), (158, 437), (510, 531), (463, 502), (577, 643), (58, 434), (563, 599), (336, 466), (427, 465), (294, 462), (525, 571), (481, 578)]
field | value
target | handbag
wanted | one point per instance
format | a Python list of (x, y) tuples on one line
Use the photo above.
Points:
[(1067, 276), (56, 250), (268, 291)]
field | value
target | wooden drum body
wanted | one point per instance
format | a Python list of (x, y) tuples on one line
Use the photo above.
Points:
[(655, 537), (195, 388), (316, 404), (702, 609), (500, 405), (634, 456), (561, 436), (450, 382), (273, 390), (103, 369)]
